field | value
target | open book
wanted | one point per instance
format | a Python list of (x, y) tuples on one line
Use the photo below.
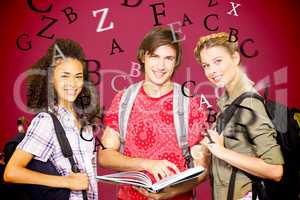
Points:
[(140, 179)]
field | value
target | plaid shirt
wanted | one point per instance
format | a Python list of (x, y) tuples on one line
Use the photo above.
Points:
[(41, 141)]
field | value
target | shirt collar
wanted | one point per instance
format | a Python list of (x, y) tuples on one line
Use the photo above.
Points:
[(244, 84), (64, 116)]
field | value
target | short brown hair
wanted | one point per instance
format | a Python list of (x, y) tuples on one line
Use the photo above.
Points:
[(157, 37), (216, 39)]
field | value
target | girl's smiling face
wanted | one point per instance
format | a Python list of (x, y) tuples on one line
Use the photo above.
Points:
[(68, 80), (220, 67)]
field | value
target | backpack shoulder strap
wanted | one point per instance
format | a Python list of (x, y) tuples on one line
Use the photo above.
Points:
[(222, 121), (65, 147), (63, 141), (125, 107), (180, 115), (228, 113)]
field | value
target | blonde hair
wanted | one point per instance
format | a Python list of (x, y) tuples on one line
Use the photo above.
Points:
[(216, 39)]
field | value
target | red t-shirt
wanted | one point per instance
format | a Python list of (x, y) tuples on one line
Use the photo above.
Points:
[(151, 132)]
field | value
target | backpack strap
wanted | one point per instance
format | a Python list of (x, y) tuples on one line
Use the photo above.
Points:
[(126, 104), (228, 113), (222, 121), (65, 147), (180, 115)]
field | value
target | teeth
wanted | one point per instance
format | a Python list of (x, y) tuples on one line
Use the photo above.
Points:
[(158, 74), (217, 78), (71, 92)]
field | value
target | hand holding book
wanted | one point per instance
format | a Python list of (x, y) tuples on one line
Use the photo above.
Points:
[(201, 154), (160, 168)]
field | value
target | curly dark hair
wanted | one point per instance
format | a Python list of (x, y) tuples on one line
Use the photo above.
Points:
[(40, 90)]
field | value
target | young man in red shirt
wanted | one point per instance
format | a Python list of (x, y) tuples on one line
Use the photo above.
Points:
[(151, 142)]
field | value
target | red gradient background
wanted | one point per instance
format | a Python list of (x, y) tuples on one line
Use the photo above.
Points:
[(273, 25)]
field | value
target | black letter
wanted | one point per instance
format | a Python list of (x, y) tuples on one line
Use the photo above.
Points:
[(243, 50), (97, 143), (31, 6), (28, 43), (205, 22), (186, 19), (114, 46), (134, 5), (69, 14), (236, 32), (96, 71), (183, 86), (156, 14), (53, 21), (211, 115), (81, 135)]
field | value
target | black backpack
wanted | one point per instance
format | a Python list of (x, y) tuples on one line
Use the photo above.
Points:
[(285, 122), (7, 190), (39, 192)]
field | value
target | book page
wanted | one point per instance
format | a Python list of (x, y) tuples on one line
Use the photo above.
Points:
[(131, 177), (177, 178)]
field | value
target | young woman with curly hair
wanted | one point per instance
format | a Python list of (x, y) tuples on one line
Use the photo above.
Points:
[(59, 83)]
